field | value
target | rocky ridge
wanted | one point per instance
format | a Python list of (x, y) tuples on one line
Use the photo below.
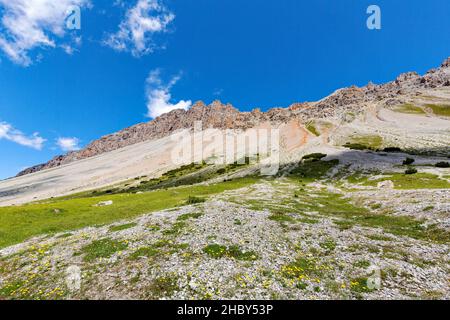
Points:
[(225, 116)]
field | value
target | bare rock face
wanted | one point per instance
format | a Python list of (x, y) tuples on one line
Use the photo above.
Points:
[(446, 63), (225, 116)]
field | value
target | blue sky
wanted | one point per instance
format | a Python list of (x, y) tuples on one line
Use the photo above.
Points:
[(82, 84)]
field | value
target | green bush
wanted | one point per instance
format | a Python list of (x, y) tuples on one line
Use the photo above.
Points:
[(194, 200), (411, 171), (442, 164)]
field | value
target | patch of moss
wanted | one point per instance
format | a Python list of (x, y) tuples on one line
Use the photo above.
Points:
[(328, 245), (146, 252), (215, 250), (362, 264), (359, 285), (80, 212), (10, 289), (379, 237), (439, 109), (237, 222), (302, 267), (162, 287), (122, 227), (103, 248), (281, 217), (311, 127), (409, 108), (368, 142), (176, 228), (219, 251), (405, 182), (188, 216), (194, 200)]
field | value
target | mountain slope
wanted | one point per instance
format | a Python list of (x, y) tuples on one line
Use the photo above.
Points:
[(358, 208), (221, 116)]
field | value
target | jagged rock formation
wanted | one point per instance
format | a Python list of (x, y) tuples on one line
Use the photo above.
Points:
[(220, 116)]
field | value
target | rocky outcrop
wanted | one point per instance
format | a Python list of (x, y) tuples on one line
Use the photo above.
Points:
[(225, 116)]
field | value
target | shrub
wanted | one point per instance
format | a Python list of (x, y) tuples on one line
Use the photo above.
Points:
[(356, 146), (392, 149), (442, 164), (408, 161), (194, 200), (411, 171), (314, 156)]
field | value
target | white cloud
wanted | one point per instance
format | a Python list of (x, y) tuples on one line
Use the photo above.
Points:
[(31, 24), (158, 95), (8, 132), (141, 22), (68, 144)]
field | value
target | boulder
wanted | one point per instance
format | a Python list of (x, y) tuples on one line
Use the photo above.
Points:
[(388, 184)]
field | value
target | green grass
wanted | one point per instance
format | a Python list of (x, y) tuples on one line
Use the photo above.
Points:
[(235, 252), (359, 285), (362, 264), (368, 142), (440, 109), (406, 181), (122, 227), (312, 170), (215, 250), (281, 217), (188, 216), (18, 223), (301, 267), (379, 237), (194, 200), (409, 108), (328, 245), (146, 252), (346, 215), (176, 229), (397, 225), (311, 127), (103, 248), (164, 286), (183, 176)]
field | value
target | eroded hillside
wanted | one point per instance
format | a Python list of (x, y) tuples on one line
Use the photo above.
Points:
[(358, 207)]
